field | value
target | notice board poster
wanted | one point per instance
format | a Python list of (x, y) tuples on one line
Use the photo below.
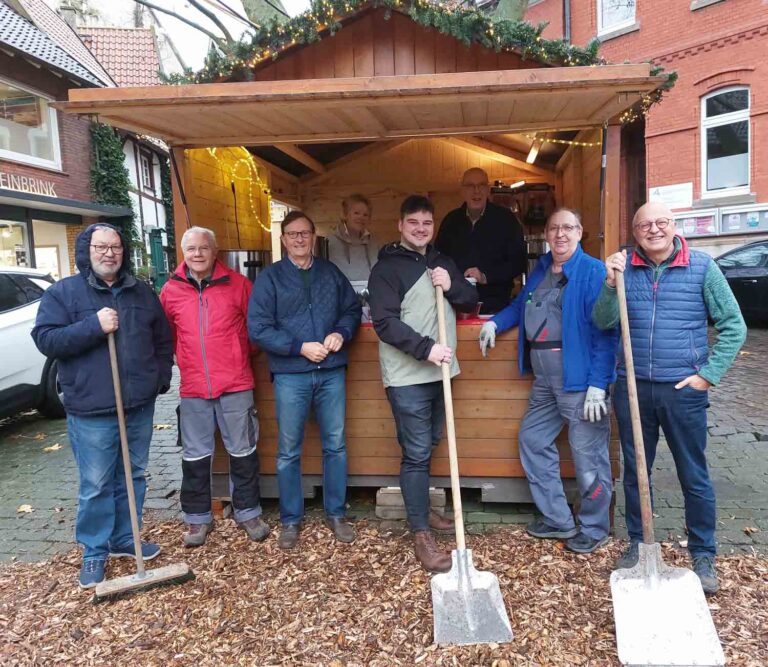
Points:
[(744, 222), (701, 224)]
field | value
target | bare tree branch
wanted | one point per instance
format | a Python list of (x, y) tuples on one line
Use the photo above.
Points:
[(168, 39), (219, 41), (211, 15)]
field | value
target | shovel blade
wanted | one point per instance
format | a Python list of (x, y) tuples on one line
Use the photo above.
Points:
[(661, 614), (468, 606)]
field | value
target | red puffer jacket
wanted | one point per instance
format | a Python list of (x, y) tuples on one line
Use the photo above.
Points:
[(209, 331)]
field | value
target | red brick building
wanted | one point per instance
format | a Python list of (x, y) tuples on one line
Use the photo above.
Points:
[(45, 196), (704, 149)]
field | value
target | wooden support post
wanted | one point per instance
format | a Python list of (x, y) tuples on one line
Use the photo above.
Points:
[(181, 221), (612, 192)]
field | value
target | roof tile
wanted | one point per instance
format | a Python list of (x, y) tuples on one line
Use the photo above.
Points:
[(128, 54)]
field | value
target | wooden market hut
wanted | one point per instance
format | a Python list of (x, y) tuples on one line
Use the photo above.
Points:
[(387, 107)]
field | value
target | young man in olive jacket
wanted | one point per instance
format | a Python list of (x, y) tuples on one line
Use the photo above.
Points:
[(404, 313)]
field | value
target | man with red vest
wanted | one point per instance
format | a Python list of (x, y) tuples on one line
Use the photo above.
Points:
[(207, 306)]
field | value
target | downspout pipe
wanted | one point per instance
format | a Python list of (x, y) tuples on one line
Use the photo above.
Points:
[(567, 21)]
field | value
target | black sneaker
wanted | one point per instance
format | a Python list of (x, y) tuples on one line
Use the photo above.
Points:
[(544, 531), (584, 544), (630, 556), (704, 567)]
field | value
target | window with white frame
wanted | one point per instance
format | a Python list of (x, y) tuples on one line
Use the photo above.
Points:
[(147, 177), (28, 127), (614, 15), (137, 259), (725, 142)]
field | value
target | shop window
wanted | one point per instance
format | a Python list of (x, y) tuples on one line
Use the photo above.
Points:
[(13, 244), (725, 143), (28, 128), (614, 15), (147, 175)]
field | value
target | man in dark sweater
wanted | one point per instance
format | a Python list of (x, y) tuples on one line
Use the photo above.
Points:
[(485, 240)]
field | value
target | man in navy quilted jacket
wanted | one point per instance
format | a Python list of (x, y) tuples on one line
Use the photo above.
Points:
[(74, 319), (303, 312)]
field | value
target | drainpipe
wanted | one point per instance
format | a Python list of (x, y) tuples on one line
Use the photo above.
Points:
[(567, 21)]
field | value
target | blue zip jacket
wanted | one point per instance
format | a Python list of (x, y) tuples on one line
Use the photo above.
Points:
[(589, 354), (68, 330), (286, 311)]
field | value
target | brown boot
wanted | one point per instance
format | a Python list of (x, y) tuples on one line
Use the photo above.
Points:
[(441, 523), (429, 554)]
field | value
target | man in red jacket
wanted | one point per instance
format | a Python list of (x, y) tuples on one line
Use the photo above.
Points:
[(207, 307)]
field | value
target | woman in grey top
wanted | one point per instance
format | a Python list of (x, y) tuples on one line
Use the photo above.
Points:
[(351, 246)]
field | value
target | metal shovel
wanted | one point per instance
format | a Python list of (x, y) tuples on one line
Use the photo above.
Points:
[(661, 614), (468, 607)]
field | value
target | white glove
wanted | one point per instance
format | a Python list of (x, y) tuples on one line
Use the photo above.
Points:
[(594, 404), (487, 337)]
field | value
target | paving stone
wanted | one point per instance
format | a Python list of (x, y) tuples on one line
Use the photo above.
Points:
[(483, 517)]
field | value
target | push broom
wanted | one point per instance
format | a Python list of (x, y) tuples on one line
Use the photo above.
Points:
[(143, 579)]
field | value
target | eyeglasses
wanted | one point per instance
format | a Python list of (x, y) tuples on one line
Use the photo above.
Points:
[(103, 249), (193, 250), (474, 186), (565, 229), (305, 234), (661, 224)]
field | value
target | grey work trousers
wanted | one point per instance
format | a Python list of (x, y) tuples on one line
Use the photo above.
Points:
[(235, 417), (549, 408)]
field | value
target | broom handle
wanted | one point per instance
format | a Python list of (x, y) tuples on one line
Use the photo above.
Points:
[(643, 485), (451, 426), (126, 455)]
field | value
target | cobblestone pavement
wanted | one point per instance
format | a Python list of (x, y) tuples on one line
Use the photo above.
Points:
[(37, 470)]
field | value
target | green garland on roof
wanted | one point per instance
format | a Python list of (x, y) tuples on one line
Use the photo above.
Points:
[(468, 25)]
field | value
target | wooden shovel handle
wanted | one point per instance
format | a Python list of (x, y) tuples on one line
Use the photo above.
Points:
[(453, 458), (126, 455), (643, 484)]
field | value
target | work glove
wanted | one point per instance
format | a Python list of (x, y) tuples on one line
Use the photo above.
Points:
[(594, 404), (488, 337)]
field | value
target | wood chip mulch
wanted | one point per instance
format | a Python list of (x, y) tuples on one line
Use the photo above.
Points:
[(331, 604)]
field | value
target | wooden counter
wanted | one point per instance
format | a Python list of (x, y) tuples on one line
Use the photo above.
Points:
[(490, 399)]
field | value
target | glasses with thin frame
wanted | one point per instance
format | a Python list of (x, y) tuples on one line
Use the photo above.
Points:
[(565, 229), (661, 224), (102, 249), (304, 233)]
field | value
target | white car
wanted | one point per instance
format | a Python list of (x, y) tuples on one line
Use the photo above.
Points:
[(27, 378)]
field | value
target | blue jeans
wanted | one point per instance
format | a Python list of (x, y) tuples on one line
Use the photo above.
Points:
[(295, 393), (419, 412), (103, 518), (682, 415)]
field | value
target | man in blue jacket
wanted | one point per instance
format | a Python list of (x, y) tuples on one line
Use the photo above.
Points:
[(302, 312), (73, 321), (573, 364)]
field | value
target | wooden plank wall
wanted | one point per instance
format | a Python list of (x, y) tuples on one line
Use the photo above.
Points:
[(211, 203), (490, 399), (387, 176), (578, 186), (370, 45)]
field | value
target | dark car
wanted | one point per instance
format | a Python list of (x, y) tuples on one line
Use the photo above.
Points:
[(746, 269)]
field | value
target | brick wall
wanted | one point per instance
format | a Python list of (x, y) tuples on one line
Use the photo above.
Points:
[(721, 45), (547, 11), (73, 181)]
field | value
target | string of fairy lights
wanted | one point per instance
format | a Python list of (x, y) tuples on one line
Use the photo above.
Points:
[(251, 176), (564, 142)]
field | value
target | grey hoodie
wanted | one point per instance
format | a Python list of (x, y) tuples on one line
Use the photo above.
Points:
[(354, 256)]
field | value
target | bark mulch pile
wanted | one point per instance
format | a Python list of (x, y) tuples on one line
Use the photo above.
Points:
[(330, 604)]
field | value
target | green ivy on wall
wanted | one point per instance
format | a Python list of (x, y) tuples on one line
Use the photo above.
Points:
[(110, 183), (167, 196)]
